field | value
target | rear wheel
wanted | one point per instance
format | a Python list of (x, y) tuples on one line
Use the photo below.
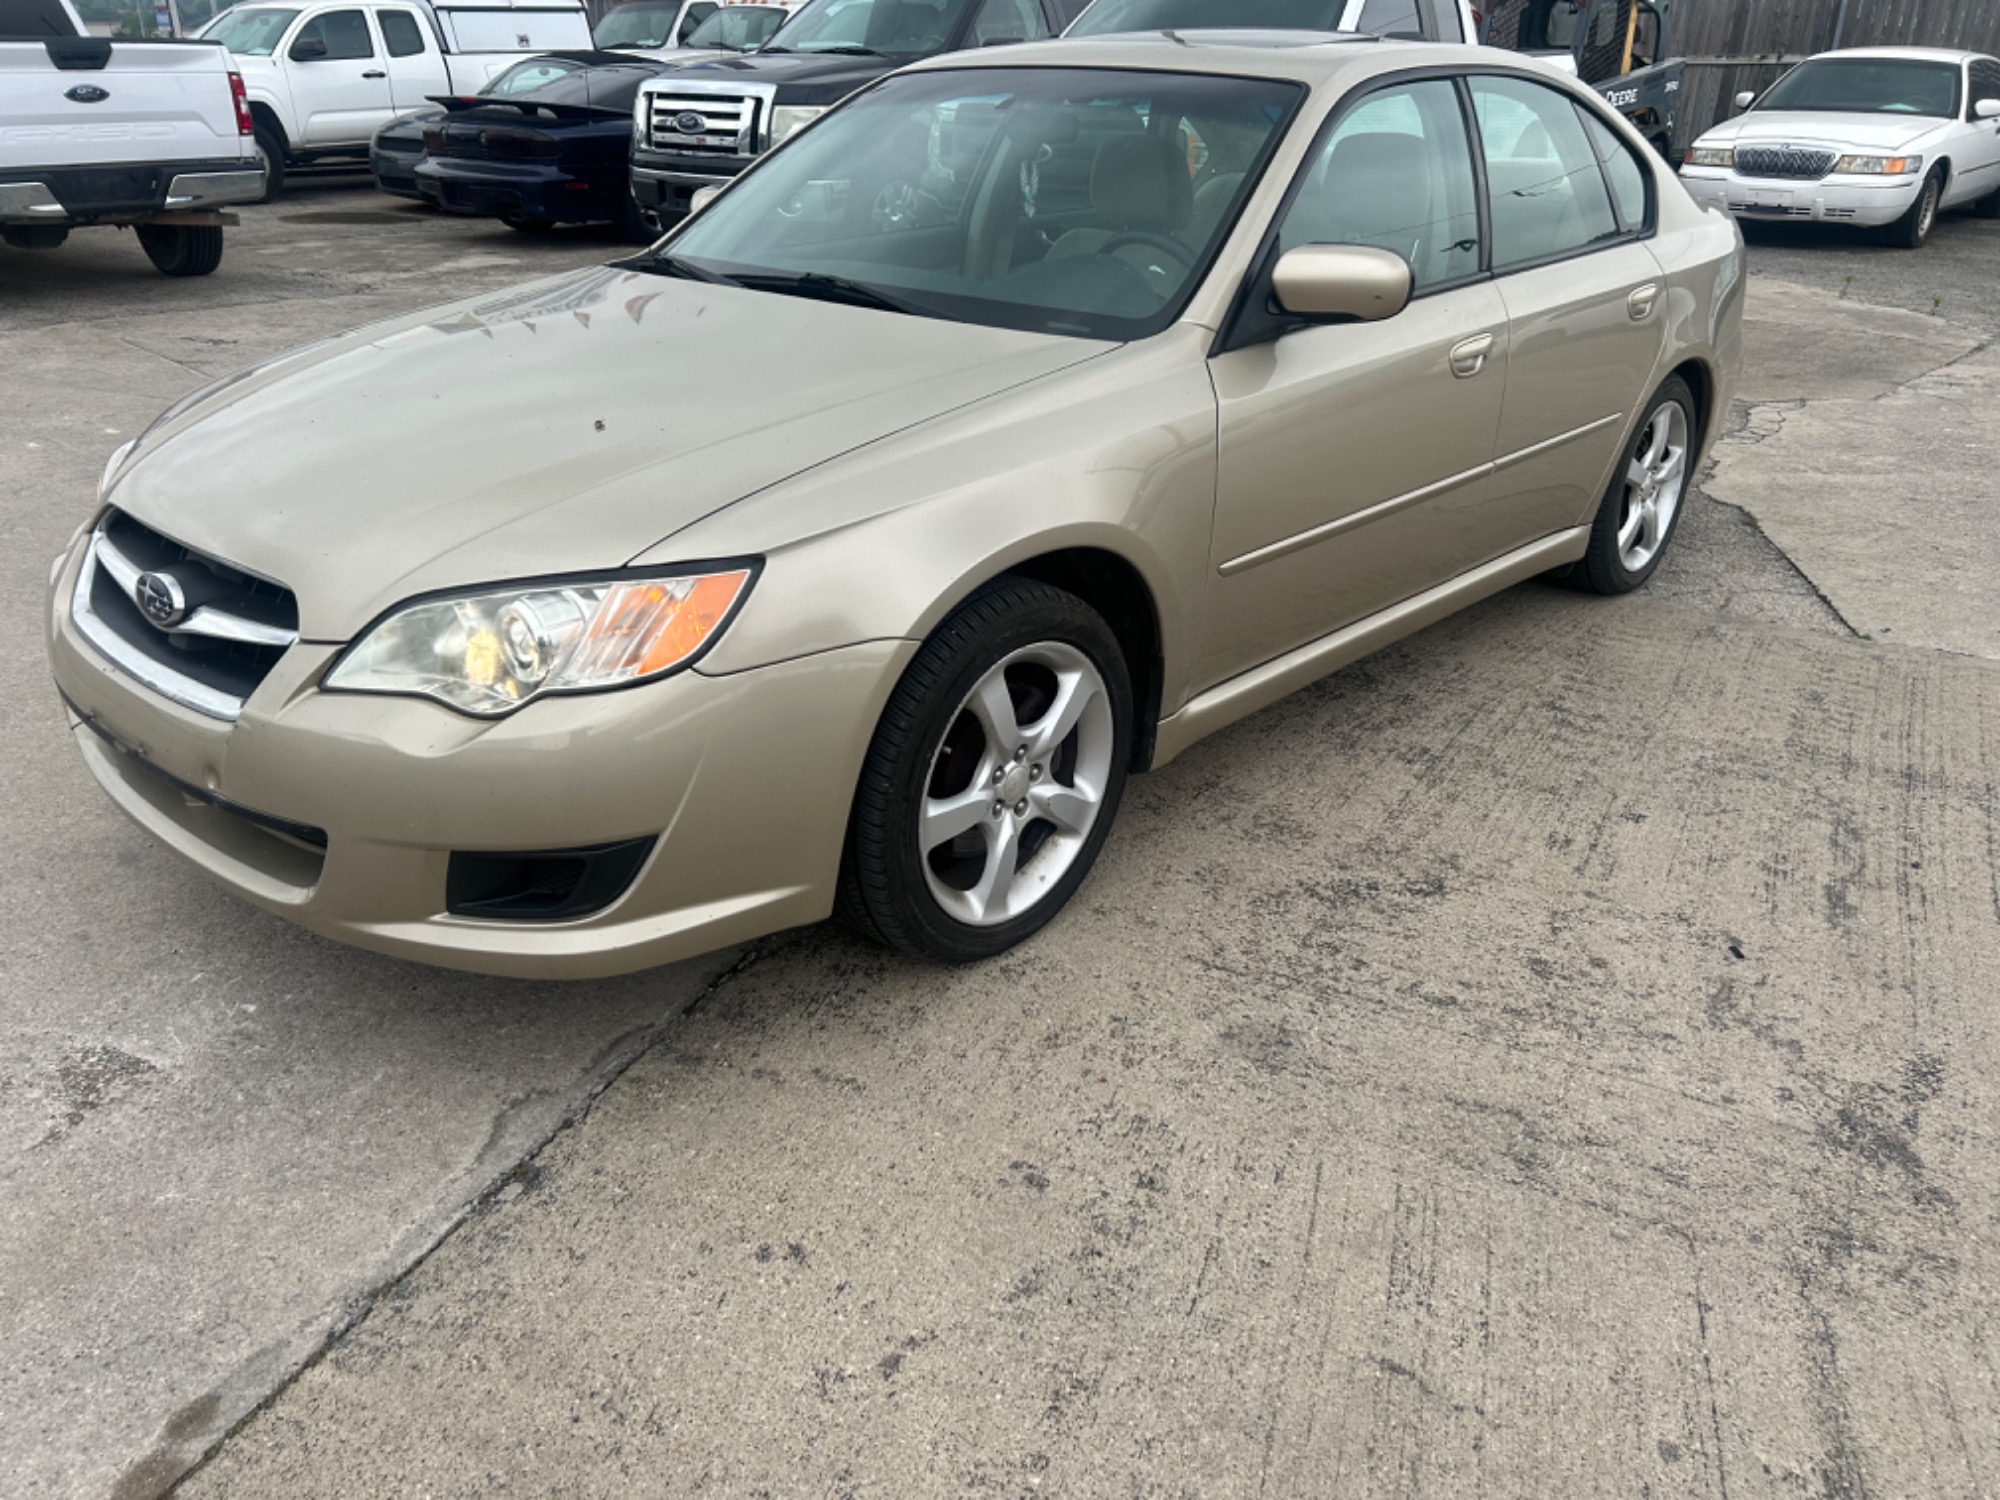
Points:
[(1636, 519), (271, 156), (1910, 231), (993, 778), (182, 249)]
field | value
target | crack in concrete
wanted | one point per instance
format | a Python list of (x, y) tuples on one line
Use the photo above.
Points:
[(522, 1130)]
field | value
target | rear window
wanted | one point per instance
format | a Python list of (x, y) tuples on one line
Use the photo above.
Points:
[(516, 30), (33, 21)]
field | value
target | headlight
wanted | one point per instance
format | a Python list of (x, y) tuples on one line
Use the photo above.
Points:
[(1711, 156), (787, 120), (111, 465), (490, 652), (1880, 166)]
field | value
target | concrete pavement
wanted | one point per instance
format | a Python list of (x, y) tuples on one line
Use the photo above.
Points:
[(1547, 1058)]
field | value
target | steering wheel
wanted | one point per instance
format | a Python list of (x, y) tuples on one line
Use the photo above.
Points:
[(1164, 242)]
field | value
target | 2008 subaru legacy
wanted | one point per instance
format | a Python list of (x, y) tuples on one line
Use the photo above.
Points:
[(1022, 421)]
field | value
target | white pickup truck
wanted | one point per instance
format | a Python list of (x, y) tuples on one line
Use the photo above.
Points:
[(325, 75), (152, 135)]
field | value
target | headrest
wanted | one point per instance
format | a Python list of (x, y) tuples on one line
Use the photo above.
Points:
[(1141, 182), (1377, 184)]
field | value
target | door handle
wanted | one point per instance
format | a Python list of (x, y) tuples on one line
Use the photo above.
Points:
[(1468, 356), (1640, 303), (374, 73)]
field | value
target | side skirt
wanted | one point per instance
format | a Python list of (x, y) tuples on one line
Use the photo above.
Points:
[(1259, 687)]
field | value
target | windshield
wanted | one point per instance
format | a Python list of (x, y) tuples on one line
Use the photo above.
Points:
[(1057, 200), (1108, 16), (740, 28), (891, 28), (1868, 86), (250, 33), (635, 26)]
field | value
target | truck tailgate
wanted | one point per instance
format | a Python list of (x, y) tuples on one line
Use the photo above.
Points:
[(159, 102)]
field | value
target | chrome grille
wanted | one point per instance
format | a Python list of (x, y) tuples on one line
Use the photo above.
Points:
[(220, 629), (728, 123), (1783, 161)]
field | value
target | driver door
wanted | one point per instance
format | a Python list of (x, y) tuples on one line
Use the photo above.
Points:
[(1353, 457), (344, 95)]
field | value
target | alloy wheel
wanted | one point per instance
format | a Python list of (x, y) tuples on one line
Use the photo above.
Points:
[(1655, 481), (1016, 784)]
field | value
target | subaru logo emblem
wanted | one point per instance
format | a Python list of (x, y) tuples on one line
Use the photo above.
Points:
[(687, 122), (159, 599), (87, 93)]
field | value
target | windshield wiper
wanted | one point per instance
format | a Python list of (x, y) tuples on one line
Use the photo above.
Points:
[(666, 263), (845, 49), (824, 288)]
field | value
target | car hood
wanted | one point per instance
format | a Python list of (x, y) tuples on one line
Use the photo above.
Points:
[(801, 77), (1814, 128), (564, 426)]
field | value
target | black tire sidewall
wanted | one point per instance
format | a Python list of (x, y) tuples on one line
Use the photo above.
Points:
[(1602, 568), (884, 871), (1910, 231), (274, 164), (180, 249)]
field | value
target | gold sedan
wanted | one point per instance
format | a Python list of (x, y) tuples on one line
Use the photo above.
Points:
[(1023, 420)]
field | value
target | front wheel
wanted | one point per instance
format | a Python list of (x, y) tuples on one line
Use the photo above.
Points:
[(271, 157), (182, 249), (993, 778), (1637, 516), (1910, 231)]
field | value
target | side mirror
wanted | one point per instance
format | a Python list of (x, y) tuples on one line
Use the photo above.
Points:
[(1322, 282), (1745, 99), (703, 196), (308, 49), (1986, 109)]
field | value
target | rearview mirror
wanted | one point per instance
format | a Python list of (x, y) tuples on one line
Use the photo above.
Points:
[(703, 196), (1745, 99), (308, 49), (1342, 281), (1986, 109)]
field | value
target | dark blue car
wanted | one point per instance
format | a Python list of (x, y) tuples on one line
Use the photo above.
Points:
[(547, 143)]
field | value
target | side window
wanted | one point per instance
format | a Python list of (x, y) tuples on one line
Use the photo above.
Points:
[(1389, 17), (345, 33), (1396, 173), (399, 32), (1621, 170), (1008, 21), (1547, 193)]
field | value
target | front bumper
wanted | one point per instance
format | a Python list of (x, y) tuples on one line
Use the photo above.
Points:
[(1833, 200), (745, 779), (515, 190), (664, 186), (125, 193)]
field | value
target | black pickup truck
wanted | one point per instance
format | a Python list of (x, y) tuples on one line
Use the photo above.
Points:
[(699, 126)]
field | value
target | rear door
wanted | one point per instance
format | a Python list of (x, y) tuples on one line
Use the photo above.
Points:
[(1585, 301), (1352, 464), (342, 96), (416, 67)]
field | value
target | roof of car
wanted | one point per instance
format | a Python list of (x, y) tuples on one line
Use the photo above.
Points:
[(1309, 57), (1910, 54)]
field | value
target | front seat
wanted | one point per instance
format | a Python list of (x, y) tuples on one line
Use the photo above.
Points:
[(1137, 182), (1374, 188)]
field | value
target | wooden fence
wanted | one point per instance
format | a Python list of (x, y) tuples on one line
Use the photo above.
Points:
[(1732, 45)]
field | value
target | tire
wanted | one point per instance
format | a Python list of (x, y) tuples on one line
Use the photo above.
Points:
[(271, 152), (1910, 231), (1625, 546), (935, 749), (181, 249), (522, 224)]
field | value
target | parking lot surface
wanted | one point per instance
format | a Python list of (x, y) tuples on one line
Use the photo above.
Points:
[(1550, 1057)]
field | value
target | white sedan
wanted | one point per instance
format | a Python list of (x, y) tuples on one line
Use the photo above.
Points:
[(1871, 136)]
